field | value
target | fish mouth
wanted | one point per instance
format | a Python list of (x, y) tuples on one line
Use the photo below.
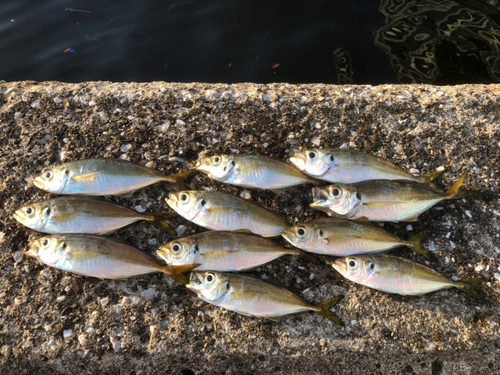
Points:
[(163, 252), (18, 217), (39, 183), (320, 197), (172, 200), (33, 249), (298, 160), (202, 165), (195, 281), (340, 266), (287, 235)]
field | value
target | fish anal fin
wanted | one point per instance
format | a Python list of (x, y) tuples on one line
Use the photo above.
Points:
[(432, 176), (411, 219)]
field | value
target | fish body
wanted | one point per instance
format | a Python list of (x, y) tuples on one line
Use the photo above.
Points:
[(223, 251), (252, 297), (82, 215), (397, 275), (252, 171), (343, 237), (349, 166), (99, 177), (96, 256), (220, 211), (380, 200)]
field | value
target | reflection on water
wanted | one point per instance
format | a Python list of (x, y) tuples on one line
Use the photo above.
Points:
[(297, 41), (442, 41)]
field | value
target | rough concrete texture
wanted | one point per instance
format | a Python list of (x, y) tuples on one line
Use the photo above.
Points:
[(55, 321)]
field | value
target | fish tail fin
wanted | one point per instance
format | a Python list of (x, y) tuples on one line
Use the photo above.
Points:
[(325, 312), (414, 244), (433, 176), (177, 272), (308, 257), (158, 220), (179, 179), (465, 286), (453, 191)]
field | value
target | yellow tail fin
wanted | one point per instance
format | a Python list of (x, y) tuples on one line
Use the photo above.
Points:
[(414, 244), (453, 191), (325, 312)]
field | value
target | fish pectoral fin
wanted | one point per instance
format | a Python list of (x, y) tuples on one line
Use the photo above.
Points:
[(81, 178), (62, 218)]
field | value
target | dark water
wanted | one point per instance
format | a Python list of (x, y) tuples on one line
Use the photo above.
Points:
[(435, 41)]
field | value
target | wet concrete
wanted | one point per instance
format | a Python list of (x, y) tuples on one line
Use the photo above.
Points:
[(54, 321)]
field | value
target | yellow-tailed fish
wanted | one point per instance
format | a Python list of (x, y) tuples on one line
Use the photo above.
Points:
[(252, 171), (100, 257), (397, 275), (224, 251), (349, 166), (84, 215), (343, 237), (254, 297), (381, 200), (102, 177), (220, 211)]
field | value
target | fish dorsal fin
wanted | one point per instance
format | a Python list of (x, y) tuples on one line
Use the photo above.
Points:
[(245, 231), (81, 178), (432, 176)]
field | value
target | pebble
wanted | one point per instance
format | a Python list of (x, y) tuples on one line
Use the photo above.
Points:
[(60, 299), (125, 148), (148, 293), (18, 256), (104, 301), (67, 333), (180, 230), (246, 194), (116, 344)]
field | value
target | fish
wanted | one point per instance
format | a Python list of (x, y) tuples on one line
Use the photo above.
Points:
[(254, 297), (225, 251), (253, 172), (343, 237), (392, 274), (350, 166), (220, 211), (80, 214), (381, 200), (103, 177), (101, 257)]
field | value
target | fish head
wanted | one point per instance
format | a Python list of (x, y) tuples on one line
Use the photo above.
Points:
[(218, 167), (313, 162), (356, 268), (341, 199), (187, 203), (33, 215), (53, 180), (210, 285), (179, 252), (48, 249), (303, 235)]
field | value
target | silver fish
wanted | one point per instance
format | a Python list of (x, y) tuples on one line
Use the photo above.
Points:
[(254, 297), (381, 200), (224, 251), (252, 171), (342, 237), (84, 215), (392, 274), (219, 211), (102, 177), (349, 166), (100, 257)]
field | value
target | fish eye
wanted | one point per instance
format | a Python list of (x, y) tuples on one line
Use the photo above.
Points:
[(176, 248), (352, 263), (335, 192), (210, 278), (48, 175), (184, 197), (30, 211), (301, 232), (312, 155), (45, 242), (216, 159)]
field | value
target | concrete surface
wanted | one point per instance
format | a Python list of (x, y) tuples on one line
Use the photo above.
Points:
[(52, 321)]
